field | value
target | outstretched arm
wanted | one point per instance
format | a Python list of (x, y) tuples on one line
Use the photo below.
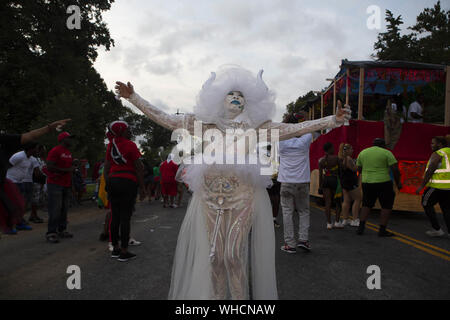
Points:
[(290, 130), (34, 134), (162, 118)]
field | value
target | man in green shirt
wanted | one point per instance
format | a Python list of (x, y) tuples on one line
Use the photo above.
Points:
[(375, 164)]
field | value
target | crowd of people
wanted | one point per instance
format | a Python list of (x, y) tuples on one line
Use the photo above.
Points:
[(226, 203), (352, 185)]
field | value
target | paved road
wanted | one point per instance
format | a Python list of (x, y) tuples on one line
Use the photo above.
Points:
[(412, 266)]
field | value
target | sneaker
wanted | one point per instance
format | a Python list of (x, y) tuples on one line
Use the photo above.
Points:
[(124, 257), (133, 242), (173, 206), (355, 223), (346, 222), (304, 245), (65, 235), (52, 238), (338, 225), (288, 249), (110, 247), (276, 224), (329, 226), (385, 234), (115, 253), (435, 233), (36, 219), (11, 232), (23, 226)]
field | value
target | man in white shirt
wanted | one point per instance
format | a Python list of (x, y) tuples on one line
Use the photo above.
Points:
[(294, 175), (415, 110), (21, 173)]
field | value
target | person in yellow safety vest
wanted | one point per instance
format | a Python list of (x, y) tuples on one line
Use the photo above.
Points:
[(437, 183)]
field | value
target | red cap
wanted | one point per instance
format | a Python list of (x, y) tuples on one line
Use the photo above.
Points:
[(63, 136)]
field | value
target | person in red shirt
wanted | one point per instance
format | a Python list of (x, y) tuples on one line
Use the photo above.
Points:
[(123, 173), (59, 186), (168, 171)]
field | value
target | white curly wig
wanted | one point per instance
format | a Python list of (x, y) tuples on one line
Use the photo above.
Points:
[(259, 100)]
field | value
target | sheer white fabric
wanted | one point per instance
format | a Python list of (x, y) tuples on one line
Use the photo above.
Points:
[(192, 267)]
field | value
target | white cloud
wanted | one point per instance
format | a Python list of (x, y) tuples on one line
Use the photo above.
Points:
[(167, 48)]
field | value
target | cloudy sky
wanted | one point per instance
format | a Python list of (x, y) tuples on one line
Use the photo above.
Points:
[(167, 48)]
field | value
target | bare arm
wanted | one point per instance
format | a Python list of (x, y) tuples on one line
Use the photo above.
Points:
[(396, 173), (106, 169), (321, 167), (349, 163), (139, 167), (34, 134), (432, 167)]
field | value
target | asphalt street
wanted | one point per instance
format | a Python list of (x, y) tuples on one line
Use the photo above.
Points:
[(412, 265)]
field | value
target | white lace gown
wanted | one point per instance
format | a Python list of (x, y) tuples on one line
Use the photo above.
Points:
[(228, 222)]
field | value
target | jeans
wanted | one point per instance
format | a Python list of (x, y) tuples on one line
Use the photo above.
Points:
[(295, 196), (26, 189), (122, 195), (58, 205)]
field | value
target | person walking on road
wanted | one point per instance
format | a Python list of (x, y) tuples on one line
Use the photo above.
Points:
[(124, 172), (437, 186), (350, 185), (59, 185), (23, 164), (169, 187), (375, 164), (329, 184), (294, 176)]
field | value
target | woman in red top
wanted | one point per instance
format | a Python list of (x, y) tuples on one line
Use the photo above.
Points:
[(123, 173), (168, 171)]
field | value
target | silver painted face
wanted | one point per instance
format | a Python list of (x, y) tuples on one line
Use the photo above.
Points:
[(234, 103)]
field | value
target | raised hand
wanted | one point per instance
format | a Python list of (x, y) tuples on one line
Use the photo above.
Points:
[(343, 114), (124, 90), (58, 124)]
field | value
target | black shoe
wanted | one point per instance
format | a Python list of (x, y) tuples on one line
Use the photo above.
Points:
[(304, 245), (385, 234), (276, 224), (115, 253), (360, 230), (124, 257), (36, 220), (52, 238), (65, 235)]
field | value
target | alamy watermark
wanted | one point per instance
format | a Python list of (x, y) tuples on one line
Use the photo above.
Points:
[(74, 280), (74, 20), (374, 281), (374, 20)]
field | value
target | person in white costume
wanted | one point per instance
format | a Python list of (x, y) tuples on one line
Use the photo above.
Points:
[(229, 200)]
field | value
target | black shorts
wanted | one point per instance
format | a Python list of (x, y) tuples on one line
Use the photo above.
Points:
[(330, 182), (383, 191)]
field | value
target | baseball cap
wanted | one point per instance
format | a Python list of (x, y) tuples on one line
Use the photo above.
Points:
[(64, 135)]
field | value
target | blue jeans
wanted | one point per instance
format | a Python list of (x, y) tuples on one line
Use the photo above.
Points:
[(58, 205)]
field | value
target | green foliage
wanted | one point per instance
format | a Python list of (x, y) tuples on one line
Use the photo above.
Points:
[(296, 106), (48, 74), (429, 41)]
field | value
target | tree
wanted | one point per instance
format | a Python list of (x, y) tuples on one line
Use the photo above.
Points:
[(390, 44), (48, 74), (296, 106), (432, 35), (429, 41)]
